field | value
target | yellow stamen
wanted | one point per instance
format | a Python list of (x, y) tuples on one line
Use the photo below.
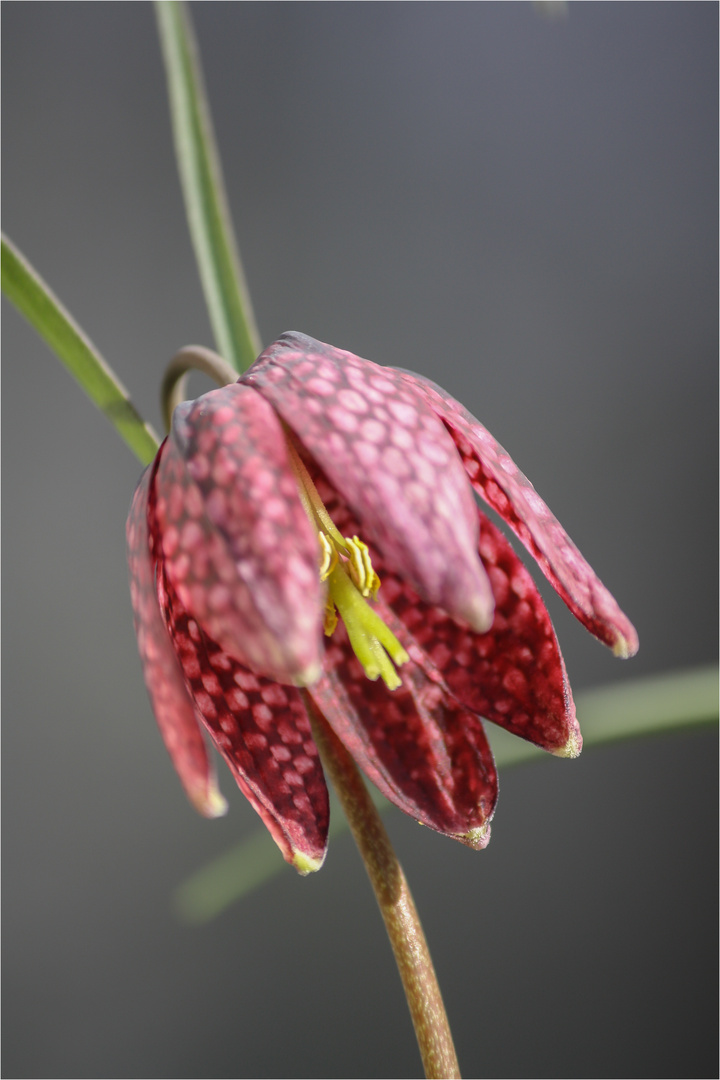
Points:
[(360, 567), (331, 617), (346, 565), (329, 558)]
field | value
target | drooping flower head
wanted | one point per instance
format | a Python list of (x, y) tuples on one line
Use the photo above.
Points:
[(314, 525)]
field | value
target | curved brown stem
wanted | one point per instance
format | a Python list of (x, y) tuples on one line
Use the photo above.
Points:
[(396, 903), (191, 358)]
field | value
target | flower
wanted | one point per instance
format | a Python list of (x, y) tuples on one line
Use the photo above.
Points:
[(314, 525)]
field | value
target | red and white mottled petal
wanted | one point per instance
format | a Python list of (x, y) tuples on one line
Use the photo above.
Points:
[(262, 731), (392, 460), (171, 704), (236, 542), (496, 477), (514, 674), (423, 750)]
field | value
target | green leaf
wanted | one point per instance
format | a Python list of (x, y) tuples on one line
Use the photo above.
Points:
[(211, 228), (24, 287), (627, 710)]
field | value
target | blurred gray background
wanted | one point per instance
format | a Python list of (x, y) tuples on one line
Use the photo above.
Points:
[(524, 210)]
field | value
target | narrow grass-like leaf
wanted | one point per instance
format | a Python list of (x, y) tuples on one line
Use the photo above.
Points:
[(24, 287), (221, 272), (627, 710)]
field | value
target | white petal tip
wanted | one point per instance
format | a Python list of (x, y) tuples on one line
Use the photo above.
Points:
[(477, 839), (211, 804), (306, 864), (572, 747), (624, 649), (479, 613), (308, 675)]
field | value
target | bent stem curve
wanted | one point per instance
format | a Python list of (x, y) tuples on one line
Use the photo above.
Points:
[(395, 901), (191, 358)]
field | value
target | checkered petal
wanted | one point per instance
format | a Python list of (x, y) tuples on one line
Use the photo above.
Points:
[(512, 675), (496, 478), (262, 731), (236, 542), (171, 704), (423, 750), (392, 460)]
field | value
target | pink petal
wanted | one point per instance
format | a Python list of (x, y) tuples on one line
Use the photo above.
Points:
[(496, 477), (172, 707), (262, 731), (424, 751), (391, 459), (236, 542)]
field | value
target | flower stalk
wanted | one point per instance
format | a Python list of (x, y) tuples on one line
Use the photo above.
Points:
[(395, 901)]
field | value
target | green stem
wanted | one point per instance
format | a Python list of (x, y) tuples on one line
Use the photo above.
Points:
[(191, 358), (33, 298), (395, 901), (221, 272)]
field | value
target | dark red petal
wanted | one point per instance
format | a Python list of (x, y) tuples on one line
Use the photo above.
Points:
[(171, 704), (262, 731), (391, 459), (424, 751), (496, 477), (514, 674), (237, 544)]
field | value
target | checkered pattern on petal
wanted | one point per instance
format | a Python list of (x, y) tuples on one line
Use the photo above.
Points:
[(262, 731), (391, 459), (236, 542), (418, 745), (497, 479), (171, 703), (513, 674)]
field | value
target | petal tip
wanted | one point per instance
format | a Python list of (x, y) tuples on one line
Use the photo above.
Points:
[(572, 747), (626, 646), (209, 802), (306, 864), (308, 675), (477, 839), (479, 612)]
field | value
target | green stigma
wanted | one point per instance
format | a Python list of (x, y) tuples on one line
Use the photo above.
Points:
[(372, 641)]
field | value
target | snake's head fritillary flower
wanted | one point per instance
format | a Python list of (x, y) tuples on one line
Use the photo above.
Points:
[(314, 526)]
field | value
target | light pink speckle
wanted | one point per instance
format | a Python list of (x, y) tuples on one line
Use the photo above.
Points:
[(272, 694), (262, 716), (210, 682), (403, 413), (382, 385), (373, 431), (245, 680), (280, 752), (236, 699), (366, 454), (352, 400), (206, 705), (342, 419), (199, 467), (223, 415), (323, 387)]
